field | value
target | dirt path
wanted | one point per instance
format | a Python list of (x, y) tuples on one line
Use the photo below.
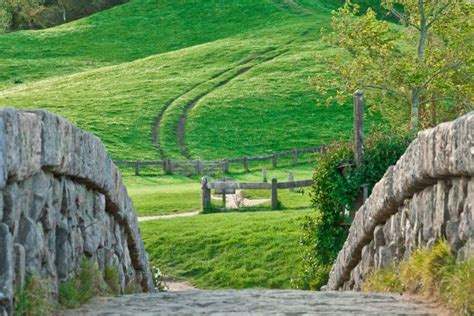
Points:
[(253, 302), (234, 201), (168, 216)]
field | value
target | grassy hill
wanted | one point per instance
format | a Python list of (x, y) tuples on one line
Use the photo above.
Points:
[(207, 79)]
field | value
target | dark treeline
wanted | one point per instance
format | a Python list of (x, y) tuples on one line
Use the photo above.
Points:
[(36, 14)]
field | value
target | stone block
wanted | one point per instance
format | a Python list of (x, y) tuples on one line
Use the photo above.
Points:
[(441, 213), (20, 266), (3, 155), (379, 239), (30, 236), (457, 196), (6, 269), (462, 160)]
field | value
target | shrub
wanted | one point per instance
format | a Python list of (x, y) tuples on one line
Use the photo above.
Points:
[(87, 283), (334, 192), (433, 272), (111, 276), (34, 298), (385, 280)]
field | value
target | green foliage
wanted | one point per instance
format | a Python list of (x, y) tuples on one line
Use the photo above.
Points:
[(432, 272), (334, 192), (415, 72), (231, 250), (86, 284), (384, 280), (111, 278), (34, 299)]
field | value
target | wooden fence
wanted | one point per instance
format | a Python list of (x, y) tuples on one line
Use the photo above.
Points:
[(229, 187), (190, 167)]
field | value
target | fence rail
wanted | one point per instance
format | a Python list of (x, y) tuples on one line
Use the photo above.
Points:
[(222, 187), (190, 167)]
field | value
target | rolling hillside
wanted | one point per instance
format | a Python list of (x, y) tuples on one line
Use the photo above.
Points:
[(207, 79)]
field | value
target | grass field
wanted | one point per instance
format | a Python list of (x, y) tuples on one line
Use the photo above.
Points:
[(231, 250), (235, 72), (170, 194)]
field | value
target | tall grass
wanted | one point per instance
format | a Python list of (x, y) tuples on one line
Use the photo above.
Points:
[(431, 272)]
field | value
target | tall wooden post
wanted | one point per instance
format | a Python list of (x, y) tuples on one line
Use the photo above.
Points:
[(205, 194), (225, 166), (198, 167), (223, 195), (274, 160), (264, 175), (246, 164), (274, 194), (137, 168), (358, 127)]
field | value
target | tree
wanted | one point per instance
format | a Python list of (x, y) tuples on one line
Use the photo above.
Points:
[(418, 71)]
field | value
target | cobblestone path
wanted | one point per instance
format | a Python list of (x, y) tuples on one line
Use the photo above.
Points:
[(252, 302)]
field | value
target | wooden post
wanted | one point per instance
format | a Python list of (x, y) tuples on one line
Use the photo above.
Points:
[(137, 168), (291, 178), (295, 156), (205, 194), (274, 194), (225, 166), (246, 164), (223, 194), (198, 167), (264, 175), (167, 165), (274, 160), (358, 127)]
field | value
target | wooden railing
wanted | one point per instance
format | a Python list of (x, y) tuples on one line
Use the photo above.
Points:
[(190, 167), (229, 187)]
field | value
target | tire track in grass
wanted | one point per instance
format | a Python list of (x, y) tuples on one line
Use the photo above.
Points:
[(189, 106), (159, 118), (165, 116)]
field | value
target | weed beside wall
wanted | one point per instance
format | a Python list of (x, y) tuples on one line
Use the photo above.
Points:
[(432, 272), (337, 183)]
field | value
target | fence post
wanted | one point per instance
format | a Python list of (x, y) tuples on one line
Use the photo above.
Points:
[(205, 194), (264, 175), (137, 168), (167, 165), (291, 178), (358, 127), (198, 167), (223, 194), (225, 166), (246, 164), (295, 156), (274, 160), (274, 194)]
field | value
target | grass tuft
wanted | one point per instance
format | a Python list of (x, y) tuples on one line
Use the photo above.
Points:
[(431, 272), (87, 284), (34, 299)]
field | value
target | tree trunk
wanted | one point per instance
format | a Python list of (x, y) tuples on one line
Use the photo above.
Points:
[(415, 104), (64, 15)]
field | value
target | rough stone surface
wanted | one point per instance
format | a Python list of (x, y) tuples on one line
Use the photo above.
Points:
[(6, 268), (427, 195), (62, 200), (253, 302)]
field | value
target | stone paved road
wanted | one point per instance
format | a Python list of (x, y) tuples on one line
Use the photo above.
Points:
[(252, 302)]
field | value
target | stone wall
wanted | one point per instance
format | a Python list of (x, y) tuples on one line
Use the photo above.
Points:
[(62, 200), (428, 194)]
